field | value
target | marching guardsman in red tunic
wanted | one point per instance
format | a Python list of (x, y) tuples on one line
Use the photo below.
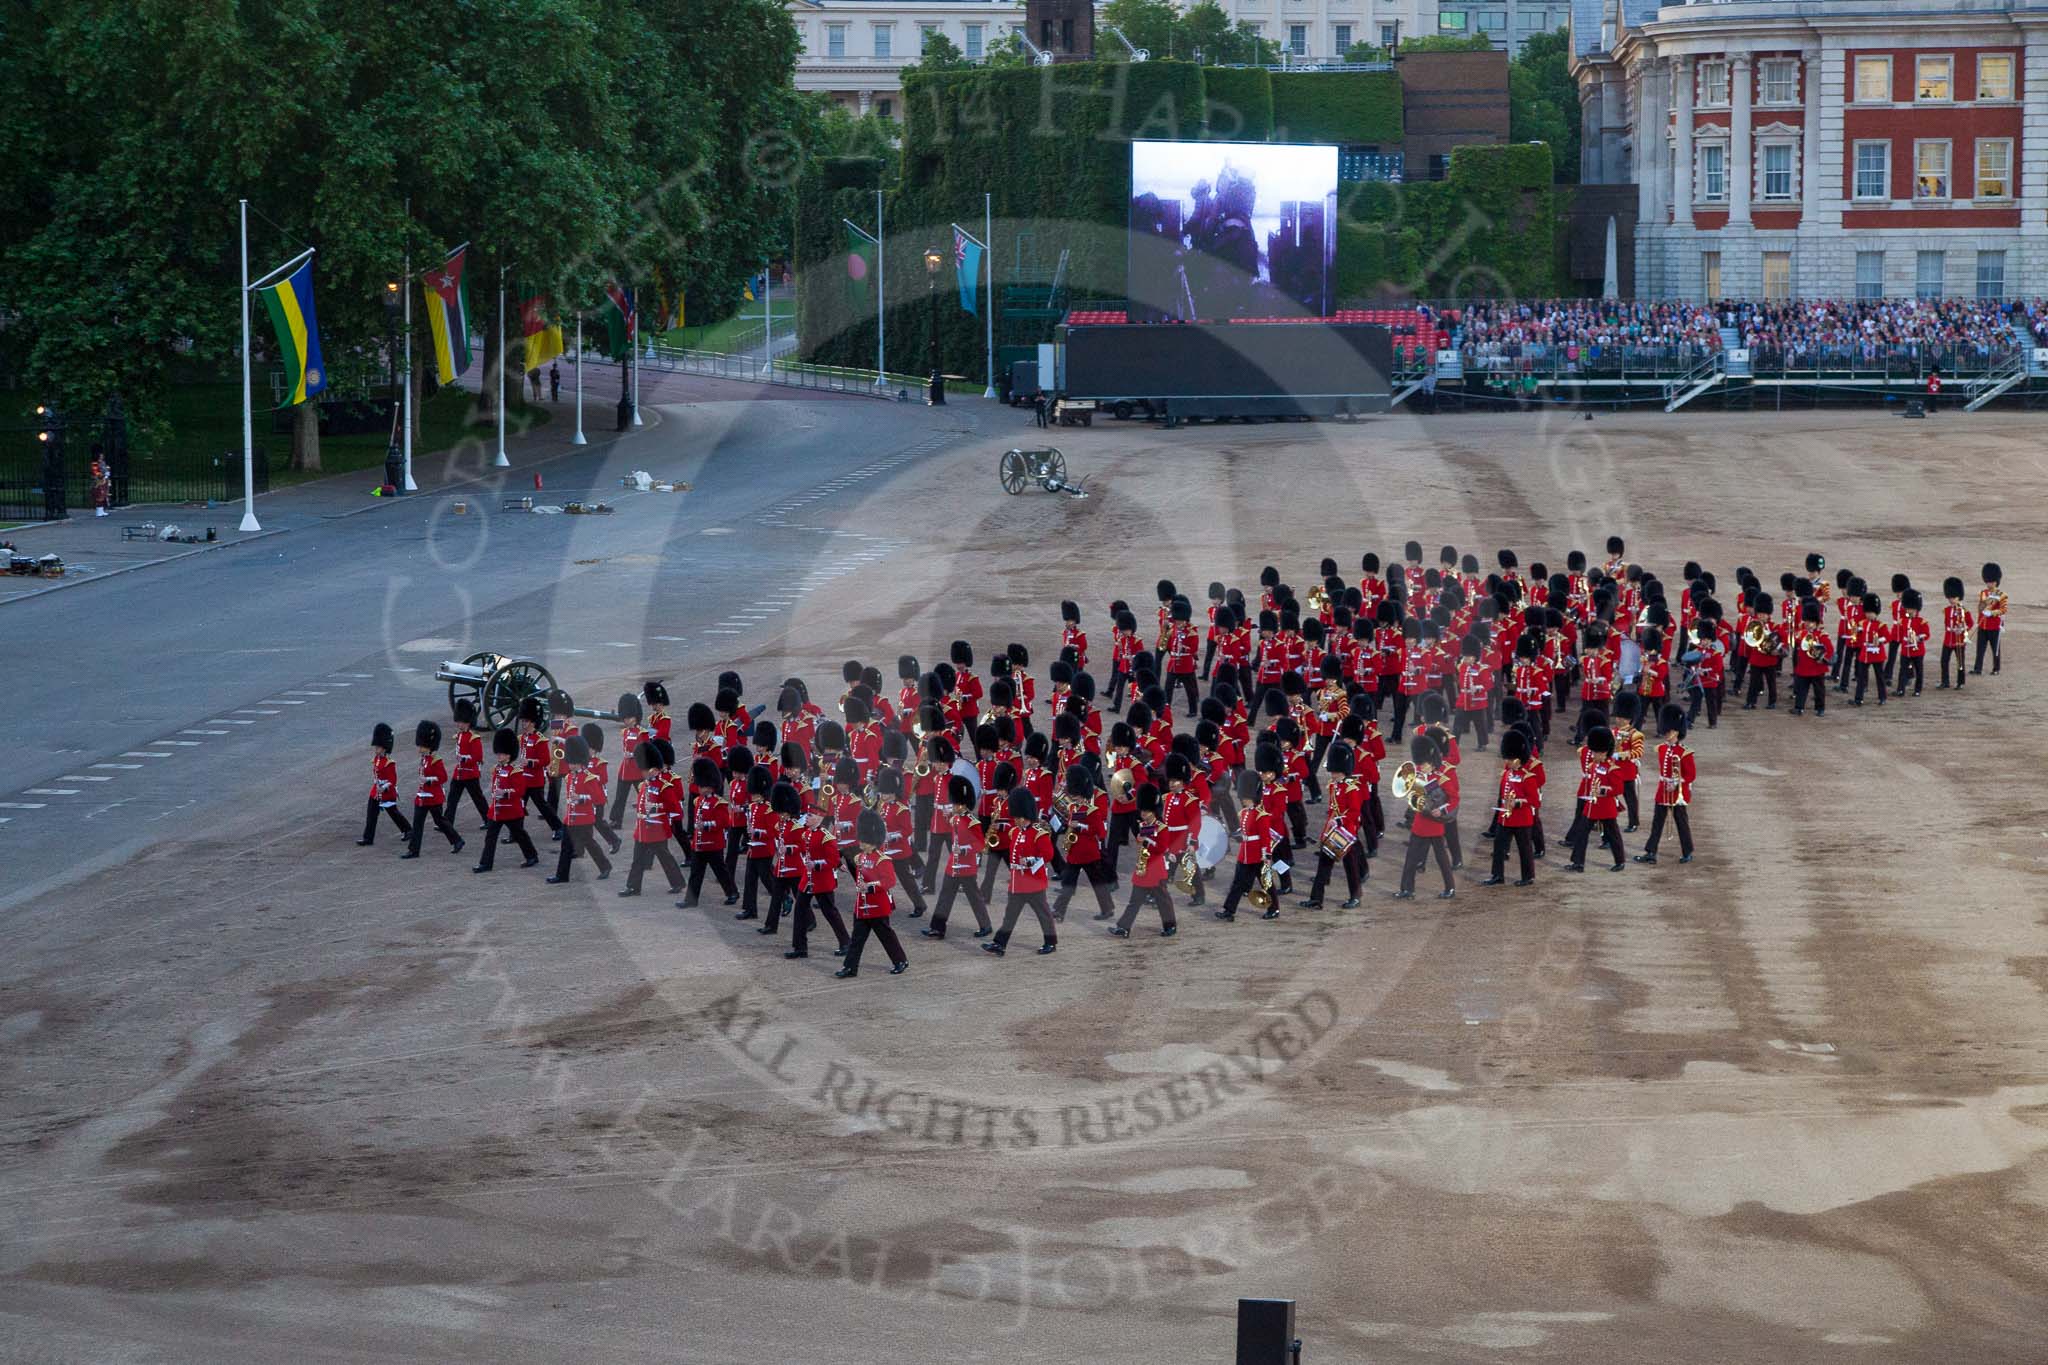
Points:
[(1676, 772), (508, 803), (1474, 691), (656, 807), (469, 763), (1873, 643), (1956, 621), (383, 787), (708, 826), (1083, 814), (898, 839), (874, 875), (910, 692), (562, 723), (1072, 636), (1030, 859), (820, 883), (1341, 842), (1183, 645), (1991, 605), (799, 721), (1260, 835), (593, 739), (536, 755), (1599, 803), (582, 800), (655, 693), (1514, 811), (785, 829), (1812, 660), (631, 733), (963, 849), (429, 800), (758, 834), (1763, 647), (1149, 873)]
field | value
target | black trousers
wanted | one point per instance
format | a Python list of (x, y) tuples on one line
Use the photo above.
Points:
[(1118, 681), (700, 860), (1891, 661), (1120, 825), (959, 886), (1913, 666), (1678, 818), (1297, 822), (880, 929), (370, 811), (1241, 883), (1864, 669), (921, 808), (1762, 679), (1961, 664), (1353, 863), (439, 815), (1993, 639), (1844, 660), (1315, 761), (1610, 833), (1208, 657), (936, 851), (515, 830), (578, 840), (909, 872), (1738, 669), (1523, 838), (536, 798), (735, 849), (1478, 721), (1400, 725), (1140, 895), (622, 796), (1100, 879), (645, 854), (1015, 908), (474, 789), (1817, 687), (1628, 802), (1420, 848), (760, 873), (809, 905), (1183, 682)]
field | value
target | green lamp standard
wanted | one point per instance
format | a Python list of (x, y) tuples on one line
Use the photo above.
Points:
[(935, 394)]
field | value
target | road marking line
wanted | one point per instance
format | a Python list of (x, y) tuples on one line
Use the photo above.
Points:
[(564, 650), (405, 670), (83, 777), (230, 720), (50, 791), (281, 701), (181, 743), (23, 805), (672, 639), (354, 675), (144, 753), (202, 732), (621, 644), (129, 767), (303, 692), (6, 819), (714, 630), (254, 711)]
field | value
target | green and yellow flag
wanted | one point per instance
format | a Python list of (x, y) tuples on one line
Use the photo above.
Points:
[(290, 305)]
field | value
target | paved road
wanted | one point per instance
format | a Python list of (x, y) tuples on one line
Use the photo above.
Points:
[(148, 698)]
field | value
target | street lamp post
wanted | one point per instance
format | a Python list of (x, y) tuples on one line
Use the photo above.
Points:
[(394, 451), (935, 394)]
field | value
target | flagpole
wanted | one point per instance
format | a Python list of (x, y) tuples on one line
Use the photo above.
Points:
[(249, 522), (578, 439), (768, 321), (881, 297), (988, 307), (501, 462), (406, 398), (633, 326)]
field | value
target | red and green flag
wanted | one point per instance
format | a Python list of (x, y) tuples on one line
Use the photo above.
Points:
[(448, 315)]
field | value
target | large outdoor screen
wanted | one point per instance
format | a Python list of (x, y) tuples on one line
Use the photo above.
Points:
[(1225, 230)]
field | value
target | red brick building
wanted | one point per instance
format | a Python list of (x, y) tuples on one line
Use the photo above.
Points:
[(1825, 148)]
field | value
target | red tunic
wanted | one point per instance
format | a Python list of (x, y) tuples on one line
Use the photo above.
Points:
[(1155, 855), (582, 795), (433, 788), (469, 755), (877, 878), (1030, 858), (383, 780), (508, 793)]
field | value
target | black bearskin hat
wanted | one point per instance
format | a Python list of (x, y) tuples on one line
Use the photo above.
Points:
[(962, 654), (1669, 719), (1600, 740), (427, 735), (699, 717), (871, 828), (574, 750), (531, 711), (959, 792), (646, 755), (1070, 611), (465, 710), (1993, 574), (704, 773), (1023, 805), (504, 743), (654, 692), (593, 737), (1513, 745)]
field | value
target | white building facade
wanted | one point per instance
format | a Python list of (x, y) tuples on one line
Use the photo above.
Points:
[(1825, 148), (854, 51)]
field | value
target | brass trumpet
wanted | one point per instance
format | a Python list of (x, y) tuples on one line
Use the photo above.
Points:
[(1265, 888), (1318, 599)]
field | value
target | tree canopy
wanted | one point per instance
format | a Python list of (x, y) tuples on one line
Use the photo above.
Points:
[(571, 141), (1201, 32), (1543, 100)]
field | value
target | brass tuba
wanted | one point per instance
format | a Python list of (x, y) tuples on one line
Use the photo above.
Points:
[(1407, 785), (1187, 874)]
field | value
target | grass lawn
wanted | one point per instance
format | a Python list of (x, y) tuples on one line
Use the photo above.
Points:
[(721, 336)]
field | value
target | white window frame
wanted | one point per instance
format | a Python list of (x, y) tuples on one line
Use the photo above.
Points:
[(835, 36), (1977, 168), (1297, 39), (1707, 98), (1710, 274), (2011, 77), (884, 35), (1856, 76), (1884, 193), (1948, 171), (1340, 40), (1920, 258), (1861, 257), (1764, 261), (1948, 77), (1981, 262), (1387, 31), (1763, 174), (1703, 185), (976, 47), (1787, 67)]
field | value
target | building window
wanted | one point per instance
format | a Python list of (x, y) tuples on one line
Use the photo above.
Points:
[(1713, 173), (1994, 168), (1873, 170), (1781, 81), (1994, 78), (1930, 170), (1710, 275), (924, 35), (1713, 85), (884, 41), (1778, 170), (835, 40), (973, 49), (1450, 21), (1873, 80), (1340, 35), (1777, 274), (1991, 274), (885, 107), (1297, 39), (1529, 20), (1388, 33), (1931, 80), (1869, 275), (1927, 272), (1491, 21)]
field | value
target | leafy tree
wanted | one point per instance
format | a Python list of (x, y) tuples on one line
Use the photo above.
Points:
[(1361, 53), (1154, 25), (1543, 100), (838, 131), (939, 55), (1445, 42)]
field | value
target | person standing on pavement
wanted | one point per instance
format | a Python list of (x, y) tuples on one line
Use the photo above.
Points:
[(555, 383)]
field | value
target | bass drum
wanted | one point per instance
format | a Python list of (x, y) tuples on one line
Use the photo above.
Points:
[(1212, 845), (962, 768), (1630, 666)]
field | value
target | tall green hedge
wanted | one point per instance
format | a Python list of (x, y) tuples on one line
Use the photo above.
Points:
[(1492, 228), (1336, 106), (1239, 103)]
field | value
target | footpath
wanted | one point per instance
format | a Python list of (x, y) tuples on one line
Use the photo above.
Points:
[(93, 548)]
